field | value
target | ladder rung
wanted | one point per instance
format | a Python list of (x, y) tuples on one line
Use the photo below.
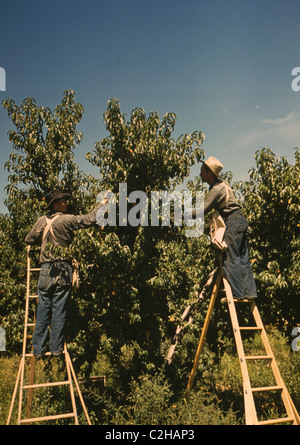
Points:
[(250, 328), (30, 324), (42, 385), (243, 300), (267, 388), (40, 419), (35, 269), (258, 357), (272, 421), (33, 296), (31, 355)]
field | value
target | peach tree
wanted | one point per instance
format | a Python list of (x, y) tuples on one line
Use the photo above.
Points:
[(43, 143), (135, 281), (271, 202)]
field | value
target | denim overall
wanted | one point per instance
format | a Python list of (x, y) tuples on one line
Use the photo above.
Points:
[(235, 262), (54, 292)]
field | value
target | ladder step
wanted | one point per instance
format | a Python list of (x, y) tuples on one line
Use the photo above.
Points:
[(250, 328), (35, 269), (267, 388), (273, 421), (244, 300), (40, 419), (43, 385), (31, 355), (30, 324), (33, 296), (258, 357)]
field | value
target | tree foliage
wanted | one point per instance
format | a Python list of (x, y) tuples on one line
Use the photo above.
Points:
[(271, 201), (136, 282), (130, 297), (136, 301), (141, 151), (43, 158)]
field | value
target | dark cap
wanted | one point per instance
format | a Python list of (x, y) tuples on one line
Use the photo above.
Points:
[(53, 196)]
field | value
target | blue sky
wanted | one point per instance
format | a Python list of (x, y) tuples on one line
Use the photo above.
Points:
[(223, 67)]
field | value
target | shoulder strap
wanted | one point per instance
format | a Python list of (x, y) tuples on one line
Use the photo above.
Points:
[(48, 225)]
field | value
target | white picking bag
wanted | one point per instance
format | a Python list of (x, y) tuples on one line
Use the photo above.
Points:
[(218, 226)]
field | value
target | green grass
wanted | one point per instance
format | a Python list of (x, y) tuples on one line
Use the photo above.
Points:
[(215, 399)]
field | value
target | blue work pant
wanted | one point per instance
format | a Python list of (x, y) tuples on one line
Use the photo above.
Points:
[(236, 266), (54, 292)]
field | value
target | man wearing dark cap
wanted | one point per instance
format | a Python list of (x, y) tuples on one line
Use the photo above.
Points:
[(235, 261), (55, 279)]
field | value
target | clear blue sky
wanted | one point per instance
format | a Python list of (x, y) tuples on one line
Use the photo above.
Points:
[(223, 67)]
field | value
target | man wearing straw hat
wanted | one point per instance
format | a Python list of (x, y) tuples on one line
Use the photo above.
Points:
[(235, 259)]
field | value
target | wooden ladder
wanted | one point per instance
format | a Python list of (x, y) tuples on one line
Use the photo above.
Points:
[(30, 386), (251, 418)]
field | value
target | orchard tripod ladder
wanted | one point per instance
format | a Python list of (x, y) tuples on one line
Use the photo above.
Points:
[(71, 376), (251, 417)]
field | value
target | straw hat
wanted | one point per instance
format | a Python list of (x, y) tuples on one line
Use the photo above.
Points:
[(214, 165)]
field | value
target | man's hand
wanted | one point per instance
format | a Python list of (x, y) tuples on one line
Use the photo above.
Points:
[(105, 199)]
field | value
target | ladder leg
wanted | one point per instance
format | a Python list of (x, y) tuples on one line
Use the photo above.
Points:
[(31, 381), (32, 373), (22, 369), (203, 334), (71, 385), (14, 394), (180, 327), (293, 410), (78, 389), (286, 398)]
